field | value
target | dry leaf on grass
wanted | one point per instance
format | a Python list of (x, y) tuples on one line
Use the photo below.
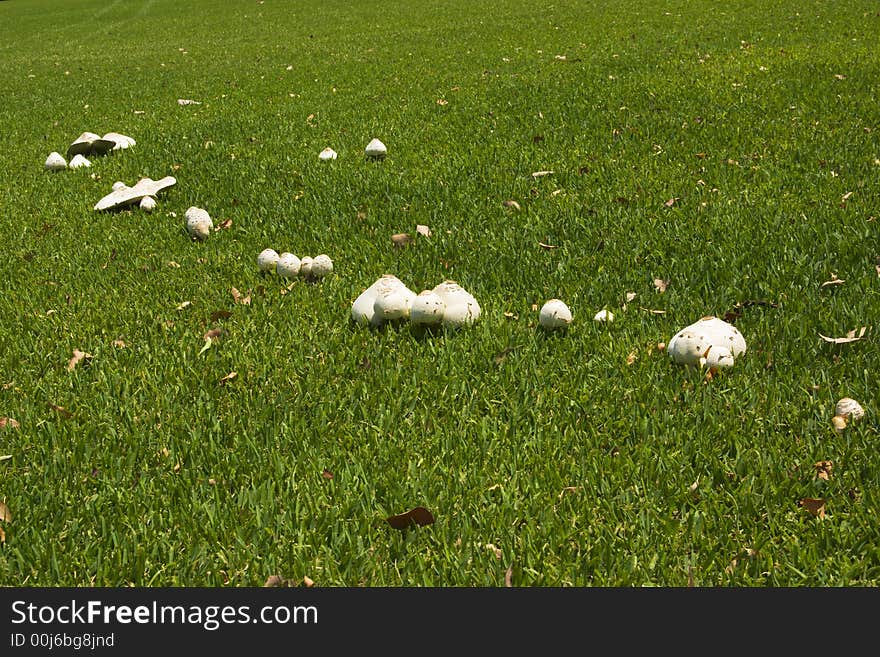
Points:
[(223, 225), (77, 357), (850, 337), (823, 469), (508, 577), (653, 311), (8, 422), (308, 582), (541, 174), (815, 506), (5, 513), (63, 412), (228, 378), (401, 239), (220, 314), (274, 580), (547, 247), (423, 230), (213, 334), (418, 516), (327, 474), (511, 204), (183, 305), (631, 357), (834, 280), (661, 284), (671, 202), (120, 343)]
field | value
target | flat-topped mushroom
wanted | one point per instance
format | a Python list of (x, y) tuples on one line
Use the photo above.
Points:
[(124, 195), (88, 143)]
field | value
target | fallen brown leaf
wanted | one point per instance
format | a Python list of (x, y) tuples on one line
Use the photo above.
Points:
[(213, 334), (223, 226), (220, 314), (508, 577), (119, 343), (327, 474), (77, 357), (541, 174), (184, 305), (547, 247), (418, 516), (63, 412), (568, 489), (228, 378), (273, 580), (442, 101), (671, 202), (423, 230), (2, 535), (850, 337), (816, 506), (511, 204), (653, 311), (8, 422), (630, 296), (661, 284), (236, 295), (631, 358), (401, 239), (5, 513), (308, 581), (823, 469)]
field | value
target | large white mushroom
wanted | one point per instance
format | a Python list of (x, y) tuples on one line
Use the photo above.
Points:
[(709, 342), (198, 223), (320, 267), (123, 195), (393, 301), (554, 315), (120, 142), (461, 306), (363, 310), (88, 143)]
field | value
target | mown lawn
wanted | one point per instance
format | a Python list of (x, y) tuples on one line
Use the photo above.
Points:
[(728, 149)]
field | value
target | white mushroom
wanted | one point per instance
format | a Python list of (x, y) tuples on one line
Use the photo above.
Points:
[(849, 409), (362, 308), (427, 309), (266, 260), (461, 307), (148, 204), (55, 162), (604, 316), (78, 161), (375, 149), (88, 143), (393, 301), (119, 141), (306, 266), (554, 314), (327, 154), (321, 266), (710, 341), (288, 265), (198, 223), (123, 195)]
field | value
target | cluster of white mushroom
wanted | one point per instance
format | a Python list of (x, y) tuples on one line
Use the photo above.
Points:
[(289, 265), (709, 342), (390, 300), (198, 223), (375, 150), (88, 143)]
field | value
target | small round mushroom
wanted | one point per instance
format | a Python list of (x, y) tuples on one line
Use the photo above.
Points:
[(603, 316), (838, 423), (306, 266), (554, 315), (849, 409), (198, 223), (427, 309), (55, 162), (288, 265), (78, 161), (327, 154), (266, 260), (148, 204), (321, 266)]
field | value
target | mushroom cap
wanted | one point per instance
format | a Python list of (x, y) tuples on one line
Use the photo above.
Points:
[(604, 316), (125, 195), (266, 260), (148, 204), (119, 141), (554, 314), (461, 306), (198, 223), (55, 162), (375, 149), (306, 266), (327, 154), (427, 309), (393, 301), (88, 143), (849, 409), (695, 342), (321, 266), (288, 265), (362, 309), (78, 161)]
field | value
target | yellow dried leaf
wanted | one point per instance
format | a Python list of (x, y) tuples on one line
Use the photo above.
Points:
[(850, 336), (77, 357)]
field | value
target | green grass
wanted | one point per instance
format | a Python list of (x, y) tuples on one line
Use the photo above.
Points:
[(579, 467)]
